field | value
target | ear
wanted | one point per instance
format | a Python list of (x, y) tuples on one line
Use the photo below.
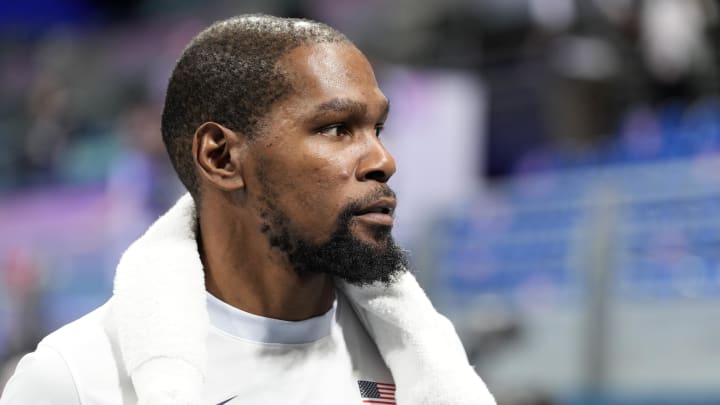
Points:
[(217, 152)]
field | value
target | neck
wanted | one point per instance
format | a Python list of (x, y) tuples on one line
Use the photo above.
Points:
[(242, 270)]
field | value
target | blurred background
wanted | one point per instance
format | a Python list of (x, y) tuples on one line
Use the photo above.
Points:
[(559, 174)]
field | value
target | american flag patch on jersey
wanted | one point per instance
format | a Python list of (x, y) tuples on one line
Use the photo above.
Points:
[(377, 392)]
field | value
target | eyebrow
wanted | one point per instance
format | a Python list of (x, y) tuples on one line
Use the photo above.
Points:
[(350, 106)]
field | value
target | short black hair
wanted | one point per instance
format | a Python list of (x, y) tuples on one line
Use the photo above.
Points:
[(229, 74)]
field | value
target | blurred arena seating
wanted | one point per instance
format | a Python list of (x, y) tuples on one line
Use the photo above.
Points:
[(588, 262)]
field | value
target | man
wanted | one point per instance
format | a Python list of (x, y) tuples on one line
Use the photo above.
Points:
[(278, 280)]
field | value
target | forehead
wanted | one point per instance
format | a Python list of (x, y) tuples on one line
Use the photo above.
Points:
[(322, 72)]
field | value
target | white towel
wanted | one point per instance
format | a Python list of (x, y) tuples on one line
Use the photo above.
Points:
[(420, 346), (162, 321)]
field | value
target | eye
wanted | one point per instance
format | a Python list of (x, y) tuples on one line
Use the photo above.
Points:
[(378, 129), (336, 130)]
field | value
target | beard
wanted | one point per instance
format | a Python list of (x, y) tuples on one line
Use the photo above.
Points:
[(342, 255)]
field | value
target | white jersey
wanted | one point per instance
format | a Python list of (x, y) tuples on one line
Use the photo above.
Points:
[(252, 360)]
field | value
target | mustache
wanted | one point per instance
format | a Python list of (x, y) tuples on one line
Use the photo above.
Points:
[(356, 205)]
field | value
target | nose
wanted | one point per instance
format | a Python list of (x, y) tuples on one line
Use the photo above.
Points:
[(377, 164)]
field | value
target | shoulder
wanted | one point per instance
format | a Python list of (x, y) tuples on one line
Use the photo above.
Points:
[(41, 377), (82, 335), (70, 363)]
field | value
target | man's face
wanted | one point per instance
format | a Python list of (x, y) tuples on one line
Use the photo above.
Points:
[(319, 171)]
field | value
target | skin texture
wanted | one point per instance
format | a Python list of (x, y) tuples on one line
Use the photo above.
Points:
[(318, 150)]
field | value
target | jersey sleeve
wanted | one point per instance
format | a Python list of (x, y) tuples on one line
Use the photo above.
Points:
[(41, 378)]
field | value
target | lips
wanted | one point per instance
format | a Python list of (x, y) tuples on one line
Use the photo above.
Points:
[(379, 212), (382, 206)]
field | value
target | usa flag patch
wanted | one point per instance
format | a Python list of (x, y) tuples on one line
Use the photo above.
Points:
[(376, 392)]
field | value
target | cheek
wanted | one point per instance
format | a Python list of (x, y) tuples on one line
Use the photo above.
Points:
[(320, 192), (329, 171), (316, 178), (324, 183)]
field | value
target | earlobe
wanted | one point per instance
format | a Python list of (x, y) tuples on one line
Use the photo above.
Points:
[(216, 151)]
